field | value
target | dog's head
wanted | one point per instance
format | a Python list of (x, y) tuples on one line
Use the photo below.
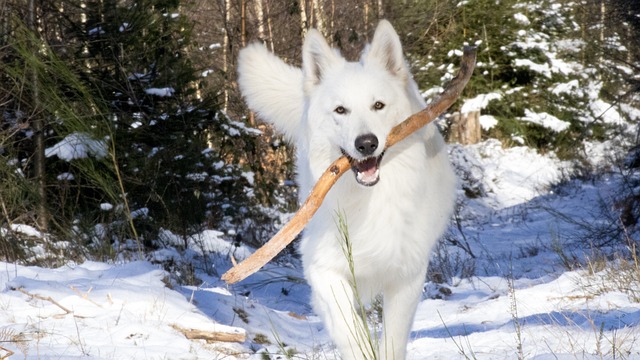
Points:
[(356, 104)]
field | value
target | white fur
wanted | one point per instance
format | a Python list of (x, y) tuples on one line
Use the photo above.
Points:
[(392, 225)]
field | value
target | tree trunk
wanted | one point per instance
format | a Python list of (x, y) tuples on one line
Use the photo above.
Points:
[(332, 22), (304, 20), (366, 18), (269, 27), (318, 12), (4, 23), (243, 23), (603, 25), (380, 10), (226, 45), (465, 128), (260, 18), (243, 40), (38, 135)]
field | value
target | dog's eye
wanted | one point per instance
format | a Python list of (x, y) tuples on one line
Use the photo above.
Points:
[(340, 110), (379, 105)]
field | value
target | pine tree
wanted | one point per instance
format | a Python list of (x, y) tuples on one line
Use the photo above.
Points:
[(149, 154), (530, 58), (140, 56)]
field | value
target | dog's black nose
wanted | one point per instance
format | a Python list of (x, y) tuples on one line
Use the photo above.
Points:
[(366, 144)]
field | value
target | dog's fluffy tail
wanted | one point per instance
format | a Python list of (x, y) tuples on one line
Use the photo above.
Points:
[(271, 88)]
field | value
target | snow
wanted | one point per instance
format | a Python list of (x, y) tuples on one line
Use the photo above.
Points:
[(162, 92), (479, 102), (454, 52), (607, 112), (487, 122), (96, 31), (546, 120), (26, 230), (510, 176), (118, 312), (65, 177), (522, 19), (78, 145), (566, 88), (250, 176), (140, 213), (520, 297), (106, 207), (543, 69)]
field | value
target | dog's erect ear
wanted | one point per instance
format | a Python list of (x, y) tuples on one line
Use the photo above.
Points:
[(386, 50), (317, 57)]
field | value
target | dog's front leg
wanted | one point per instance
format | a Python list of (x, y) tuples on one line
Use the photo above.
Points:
[(333, 300), (400, 301)]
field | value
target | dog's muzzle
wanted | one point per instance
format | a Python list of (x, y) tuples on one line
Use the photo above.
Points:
[(367, 170)]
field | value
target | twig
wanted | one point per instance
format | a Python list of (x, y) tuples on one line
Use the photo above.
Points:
[(49, 299), (287, 233), (85, 295), (7, 355)]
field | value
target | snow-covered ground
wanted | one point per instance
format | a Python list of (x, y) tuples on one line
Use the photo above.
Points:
[(511, 295)]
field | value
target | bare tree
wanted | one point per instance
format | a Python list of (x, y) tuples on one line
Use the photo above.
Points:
[(380, 9), (269, 27), (258, 5), (38, 132), (318, 15), (304, 20), (226, 49)]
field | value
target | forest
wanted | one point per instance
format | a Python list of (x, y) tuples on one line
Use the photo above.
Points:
[(124, 140), (146, 92)]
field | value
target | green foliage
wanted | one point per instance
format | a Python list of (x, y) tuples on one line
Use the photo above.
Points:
[(16, 198), (526, 50), (179, 155), (52, 90), (158, 156)]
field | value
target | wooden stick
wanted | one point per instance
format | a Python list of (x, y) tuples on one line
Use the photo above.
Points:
[(49, 299), (212, 336), (7, 355), (302, 217)]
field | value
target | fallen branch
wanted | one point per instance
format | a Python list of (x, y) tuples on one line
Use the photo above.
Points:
[(302, 217), (49, 299), (85, 295), (7, 355), (211, 336)]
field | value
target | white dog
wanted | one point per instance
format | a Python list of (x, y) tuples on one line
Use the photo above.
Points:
[(399, 201)]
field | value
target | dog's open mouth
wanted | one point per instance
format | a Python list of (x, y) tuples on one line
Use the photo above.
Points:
[(367, 170)]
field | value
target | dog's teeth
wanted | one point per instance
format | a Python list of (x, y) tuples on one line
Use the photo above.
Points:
[(368, 178)]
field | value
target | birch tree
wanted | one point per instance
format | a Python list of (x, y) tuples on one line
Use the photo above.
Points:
[(318, 14), (304, 20), (226, 44)]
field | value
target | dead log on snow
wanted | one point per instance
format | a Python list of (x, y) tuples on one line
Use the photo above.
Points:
[(212, 336)]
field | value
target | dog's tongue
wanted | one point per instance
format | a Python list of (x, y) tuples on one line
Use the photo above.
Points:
[(367, 171)]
